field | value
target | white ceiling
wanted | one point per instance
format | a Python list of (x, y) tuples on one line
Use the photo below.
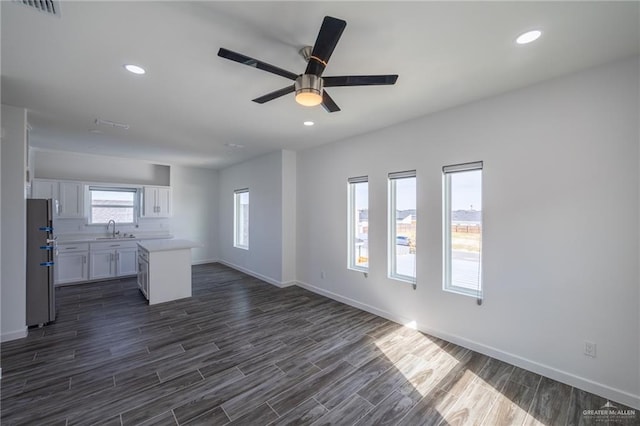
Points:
[(67, 70)]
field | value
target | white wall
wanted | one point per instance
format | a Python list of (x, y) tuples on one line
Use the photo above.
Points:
[(288, 217), (561, 226), (195, 207), (13, 227), (97, 168), (263, 177)]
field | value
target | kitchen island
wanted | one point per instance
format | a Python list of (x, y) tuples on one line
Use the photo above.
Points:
[(164, 269)]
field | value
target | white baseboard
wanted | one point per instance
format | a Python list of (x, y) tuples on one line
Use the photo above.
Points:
[(258, 275), (527, 364), (204, 262), (13, 335)]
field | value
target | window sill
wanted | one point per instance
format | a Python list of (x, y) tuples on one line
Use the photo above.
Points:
[(404, 279), (463, 292)]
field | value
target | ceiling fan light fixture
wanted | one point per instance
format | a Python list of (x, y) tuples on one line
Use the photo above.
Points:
[(309, 90), (310, 98)]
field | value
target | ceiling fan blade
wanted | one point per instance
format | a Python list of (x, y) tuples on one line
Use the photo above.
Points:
[(276, 94), (246, 60), (328, 37), (360, 80), (328, 103)]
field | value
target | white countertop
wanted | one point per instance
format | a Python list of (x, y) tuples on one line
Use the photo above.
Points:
[(64, 239), (167, 245)]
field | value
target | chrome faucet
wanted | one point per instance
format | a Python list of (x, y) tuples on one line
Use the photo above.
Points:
[(114, 227)]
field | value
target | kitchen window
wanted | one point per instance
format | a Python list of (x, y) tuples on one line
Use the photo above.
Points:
[(241, 219), (463, 229), (402, 226), (358, 223), (119, 204)]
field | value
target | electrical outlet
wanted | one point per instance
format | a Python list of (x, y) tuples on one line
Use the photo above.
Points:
[(322, 274), (590, 349)]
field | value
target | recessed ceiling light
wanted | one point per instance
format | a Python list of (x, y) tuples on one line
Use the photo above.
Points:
[(308, 123), (134, 69), (528, 37)]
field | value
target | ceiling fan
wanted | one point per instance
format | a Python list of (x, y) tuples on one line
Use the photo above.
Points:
[(309, 87)]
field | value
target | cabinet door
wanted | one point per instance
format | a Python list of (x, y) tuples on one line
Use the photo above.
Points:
[(143, 277), (156, 201), (71, 203), (44, 189), (102, 264), (127, 261), (71, 267), (163, 202), (149, 195)]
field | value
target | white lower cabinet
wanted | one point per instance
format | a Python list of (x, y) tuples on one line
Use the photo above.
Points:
[(126, 262), (113, 259), (143, 272), (80, 262), (71, 264), (102, 264)]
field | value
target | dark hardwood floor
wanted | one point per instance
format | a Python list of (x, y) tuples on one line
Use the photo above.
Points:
[(244, 352)]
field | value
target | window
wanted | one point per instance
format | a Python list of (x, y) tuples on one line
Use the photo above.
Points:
[(463, 229), (119, 204), (402, 226), (241, 219), (358, 223)]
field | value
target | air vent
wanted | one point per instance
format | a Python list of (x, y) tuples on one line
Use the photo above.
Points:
[(50, 7)]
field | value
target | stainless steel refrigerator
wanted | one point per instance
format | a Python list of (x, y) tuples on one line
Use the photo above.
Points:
[(41, 302)]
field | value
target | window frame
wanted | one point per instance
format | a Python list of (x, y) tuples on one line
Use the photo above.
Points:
[(392, 273), (352, 225), (237, 194), (112, 188), (447, 284)]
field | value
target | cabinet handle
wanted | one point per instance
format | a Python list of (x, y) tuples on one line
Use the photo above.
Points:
[(70, 248), (84, 259)]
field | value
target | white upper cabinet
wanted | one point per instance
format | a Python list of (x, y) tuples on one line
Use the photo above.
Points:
[(68, 197), (156, 201), (44, 189), (71, 201)]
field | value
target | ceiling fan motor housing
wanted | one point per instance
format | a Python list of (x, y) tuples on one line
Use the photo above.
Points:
[(309, 89)]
